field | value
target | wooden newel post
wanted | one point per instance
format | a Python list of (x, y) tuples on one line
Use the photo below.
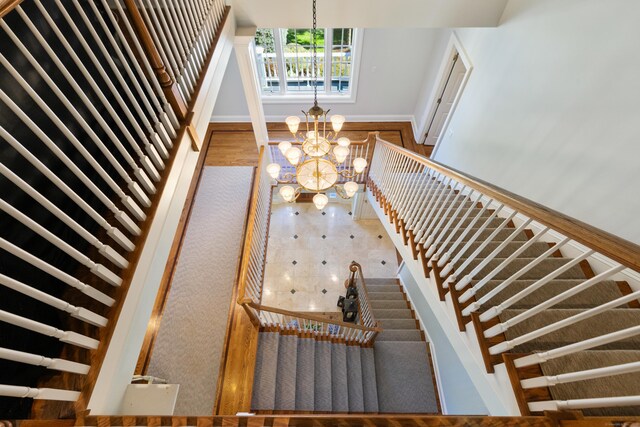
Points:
[(169, 86)]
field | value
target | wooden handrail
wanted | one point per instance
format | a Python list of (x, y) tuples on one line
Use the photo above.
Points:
[(371, 139), (7, 6), (248, 236), (616, 248), (312, 317), (357, 267), (169, 87)]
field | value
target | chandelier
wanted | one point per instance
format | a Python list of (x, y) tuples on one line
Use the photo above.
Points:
[(318, 160)]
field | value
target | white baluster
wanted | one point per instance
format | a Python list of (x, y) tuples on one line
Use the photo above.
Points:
[(112, 232), (77, 312), (55, 272), (39, 393), (508, 345), (68, 337), (98, 269), (49, 363), (542, 357), (121, 216)]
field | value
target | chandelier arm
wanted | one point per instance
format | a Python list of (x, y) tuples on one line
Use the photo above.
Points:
[(287, 178), (345, 173), (341, 192), (297, 193)]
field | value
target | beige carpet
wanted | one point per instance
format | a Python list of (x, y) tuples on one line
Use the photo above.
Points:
[(189, 344)]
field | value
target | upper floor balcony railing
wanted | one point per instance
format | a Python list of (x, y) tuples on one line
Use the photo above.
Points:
[(94, 96)]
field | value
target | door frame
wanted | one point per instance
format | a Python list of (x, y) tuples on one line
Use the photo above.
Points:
[(454, 46)]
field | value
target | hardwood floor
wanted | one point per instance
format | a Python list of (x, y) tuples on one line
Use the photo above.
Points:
[(233, 144)]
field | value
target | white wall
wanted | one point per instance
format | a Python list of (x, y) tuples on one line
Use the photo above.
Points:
[(397, 67), (551, 111)]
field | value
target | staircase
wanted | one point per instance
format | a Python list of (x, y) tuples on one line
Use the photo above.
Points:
[(523, 279), (297, 372), (623, 316)]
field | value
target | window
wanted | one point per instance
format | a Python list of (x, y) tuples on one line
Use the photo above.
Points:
[(285, 63)]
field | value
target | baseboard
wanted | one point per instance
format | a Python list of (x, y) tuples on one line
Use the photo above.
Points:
[(350, 118)]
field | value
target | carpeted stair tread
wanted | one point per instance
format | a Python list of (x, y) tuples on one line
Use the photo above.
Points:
[(543, 268), (609, 321), (618, 385), (397, 324), (354, 380), (322, 375), (286, 374), (382, 281), (536, 249), (392, 313), (305, 374), (382, 288), (264, 383), (404, 377), (399, 335), (339, 385), (501, 235), (369, 386), (378, 296), (599, 293), (391, 304)]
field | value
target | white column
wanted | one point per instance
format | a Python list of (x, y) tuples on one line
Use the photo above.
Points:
[(245, 54)]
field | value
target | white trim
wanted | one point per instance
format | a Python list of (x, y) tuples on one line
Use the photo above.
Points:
[(436, 371), (362, 118), (308, 98), (414, 128), (244, 44), (454, 46)]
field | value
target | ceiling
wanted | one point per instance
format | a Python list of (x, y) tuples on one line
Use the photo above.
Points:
[(369, 13)]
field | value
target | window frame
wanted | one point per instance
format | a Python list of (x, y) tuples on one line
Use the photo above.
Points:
[(282, 97)]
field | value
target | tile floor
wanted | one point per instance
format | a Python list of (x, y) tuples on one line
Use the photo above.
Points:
[(309, 253)]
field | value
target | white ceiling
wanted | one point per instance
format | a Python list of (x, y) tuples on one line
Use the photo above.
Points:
[(369, 13)]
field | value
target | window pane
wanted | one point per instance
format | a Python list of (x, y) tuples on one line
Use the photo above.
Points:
[(267, 61), (341, 59), (298, 59), (284, 58)]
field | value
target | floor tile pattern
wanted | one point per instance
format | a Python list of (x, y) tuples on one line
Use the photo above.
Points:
[(309, 252)]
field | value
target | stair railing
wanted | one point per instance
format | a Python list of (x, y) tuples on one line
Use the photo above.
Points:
[(314, 325), (87, 144), (254, 253), (362, 149), (356, 280), (448, 219)]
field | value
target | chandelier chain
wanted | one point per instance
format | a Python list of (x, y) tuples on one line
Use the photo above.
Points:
[(315, 59)]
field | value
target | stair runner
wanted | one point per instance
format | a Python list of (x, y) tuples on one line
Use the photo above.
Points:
[(394, 376), (624, 351)]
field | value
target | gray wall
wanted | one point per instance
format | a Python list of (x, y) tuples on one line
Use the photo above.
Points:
[(551, 110), (397, 67)]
